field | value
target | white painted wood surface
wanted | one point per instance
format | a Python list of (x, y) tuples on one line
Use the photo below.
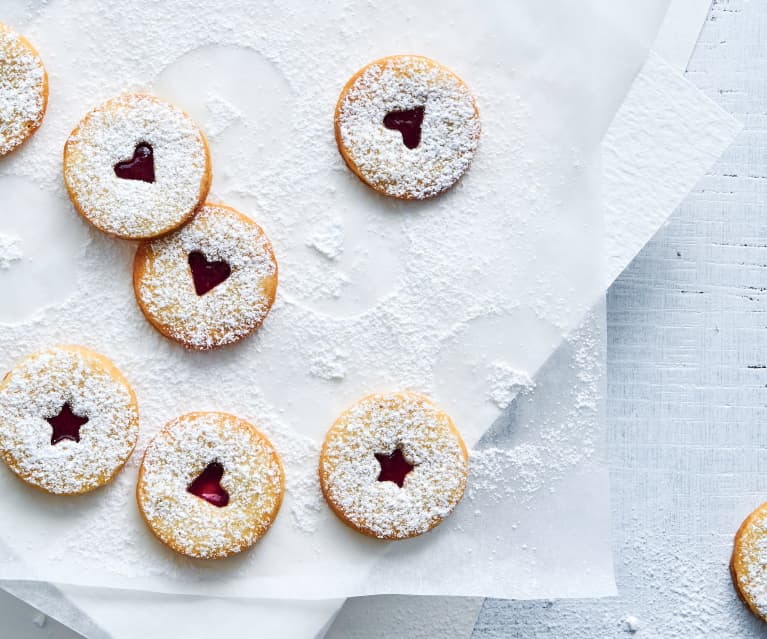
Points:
[(687, 384)]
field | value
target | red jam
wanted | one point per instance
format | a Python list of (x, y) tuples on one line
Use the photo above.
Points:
[(207, 275), (408, 123), (66, 425), (139, 167), (207, 486), (394, 467)]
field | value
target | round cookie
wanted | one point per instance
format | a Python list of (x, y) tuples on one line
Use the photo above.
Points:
[(23, 90), (748, 565), (393, 466), (407, 126), (210, 283), (210, 485), (137, 167), (68, 420)]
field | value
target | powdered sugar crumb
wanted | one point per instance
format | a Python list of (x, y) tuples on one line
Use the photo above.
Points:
[(631, 623), (10, 250), (328, 238), (506, 382), (329, 363)]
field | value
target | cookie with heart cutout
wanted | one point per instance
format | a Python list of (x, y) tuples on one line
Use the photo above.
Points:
[(136, 167), (68, 420), (210, 485), (210, 283), (23, 90), (393, 466), (748, 564), (407, 126)]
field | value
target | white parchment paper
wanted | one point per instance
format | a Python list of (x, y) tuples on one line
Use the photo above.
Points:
[(532, 189), (120, 614)]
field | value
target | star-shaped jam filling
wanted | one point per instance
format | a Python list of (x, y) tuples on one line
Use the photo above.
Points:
[(394, 466), (66, 425), (208, 486)]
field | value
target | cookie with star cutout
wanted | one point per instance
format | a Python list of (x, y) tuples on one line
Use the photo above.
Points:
[(407, 126), (393, 466), (68, 420), (210, 283), (210, 485), (136, 167), (23, 90)]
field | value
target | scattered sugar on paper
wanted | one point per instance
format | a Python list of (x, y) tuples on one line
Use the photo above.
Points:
[(328, 363), (10, 250), (505, 383), (328, 238)]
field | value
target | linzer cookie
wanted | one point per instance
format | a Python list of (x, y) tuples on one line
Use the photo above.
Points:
[(393, 466), (748, 565), (23, 90), (137, 167), (210, 283), (210, 485), (407, 126), (68, 420)]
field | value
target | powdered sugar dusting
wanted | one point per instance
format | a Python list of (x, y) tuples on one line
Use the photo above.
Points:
[(133, 208), (449, 131), (380, 424), (231, 310), (252, 476), (36, 389), (22, 90), (303, 495), (493, 468)]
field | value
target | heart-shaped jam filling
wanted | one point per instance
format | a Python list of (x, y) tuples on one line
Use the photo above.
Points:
[(140, 166), (207, 275), (208, 486), (66, 425), (394, 467), (408, 123)]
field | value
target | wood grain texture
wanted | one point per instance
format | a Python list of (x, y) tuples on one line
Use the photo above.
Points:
[(687, 389)]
